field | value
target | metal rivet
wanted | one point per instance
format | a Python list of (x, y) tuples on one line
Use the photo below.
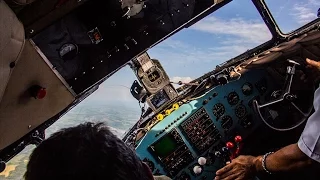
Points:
[(117, 49), (92, 67), (84, 73), (31, 31), (75, 79), (134, 41), (101, 61), (144, 6), (187, 5), (178, 11), (128, 17), (172, 14), (126, 46), (79, 1), (70, 87), (29, 126), (12, 64)]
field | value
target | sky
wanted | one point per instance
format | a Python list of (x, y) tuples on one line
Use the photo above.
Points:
[(215, 39)]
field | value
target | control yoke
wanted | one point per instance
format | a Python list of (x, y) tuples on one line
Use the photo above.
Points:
[(283, 95)]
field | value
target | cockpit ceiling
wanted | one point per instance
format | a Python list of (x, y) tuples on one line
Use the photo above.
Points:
[(98, 38)]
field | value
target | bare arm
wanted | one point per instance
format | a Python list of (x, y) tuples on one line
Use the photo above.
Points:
[(288, 158)]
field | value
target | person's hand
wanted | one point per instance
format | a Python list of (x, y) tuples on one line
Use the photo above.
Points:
[(243, 167), (313, 71)]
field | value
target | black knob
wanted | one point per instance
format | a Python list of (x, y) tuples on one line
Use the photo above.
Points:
[(225, 149), (217, 154), (205, 102)]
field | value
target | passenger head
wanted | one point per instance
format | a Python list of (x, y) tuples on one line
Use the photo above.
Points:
[(87, 151)]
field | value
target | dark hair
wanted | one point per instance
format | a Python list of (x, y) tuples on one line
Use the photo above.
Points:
[(87, 151)]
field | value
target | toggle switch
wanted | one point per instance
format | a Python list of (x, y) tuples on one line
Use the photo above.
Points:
[(238, 139), (229, 145)]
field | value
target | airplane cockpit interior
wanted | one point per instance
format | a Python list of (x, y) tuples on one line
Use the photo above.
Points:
[(56, 53)]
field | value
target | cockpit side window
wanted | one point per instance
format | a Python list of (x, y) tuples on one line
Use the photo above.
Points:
[(293, 14)]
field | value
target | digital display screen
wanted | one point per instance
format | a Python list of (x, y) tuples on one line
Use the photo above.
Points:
[(165, 146), (159, 99)]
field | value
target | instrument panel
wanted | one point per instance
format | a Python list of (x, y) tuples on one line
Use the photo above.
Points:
[(172, 147)]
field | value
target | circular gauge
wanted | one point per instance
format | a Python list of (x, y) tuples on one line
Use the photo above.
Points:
[(226, 122), (218, 110), (240, 111), (68, 51), (233, 98), (247, 89), (149, 163)]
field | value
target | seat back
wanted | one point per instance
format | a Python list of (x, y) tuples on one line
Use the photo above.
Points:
[(11, 43)]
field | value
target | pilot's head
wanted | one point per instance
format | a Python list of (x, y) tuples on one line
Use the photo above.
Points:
[(85, 152)]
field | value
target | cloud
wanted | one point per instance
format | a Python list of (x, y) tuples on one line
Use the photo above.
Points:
[(176, 79), (248, 31), (304, 12), (116, 131), (230, 38)]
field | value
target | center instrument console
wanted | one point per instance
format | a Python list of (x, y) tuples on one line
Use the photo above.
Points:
[(203, 126)]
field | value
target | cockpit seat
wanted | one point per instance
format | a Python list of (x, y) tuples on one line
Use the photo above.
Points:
[(12, 40)]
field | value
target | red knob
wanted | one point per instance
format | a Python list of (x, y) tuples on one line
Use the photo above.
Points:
[(229, 145), (41, 93), (38, 92), (238, 139)]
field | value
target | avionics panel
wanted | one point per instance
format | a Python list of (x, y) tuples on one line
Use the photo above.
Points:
[(200, 130), (171, 152), (160, 98)]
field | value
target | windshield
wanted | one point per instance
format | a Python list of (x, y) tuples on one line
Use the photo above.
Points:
[(185, 56), (292, 14), (226, 33)]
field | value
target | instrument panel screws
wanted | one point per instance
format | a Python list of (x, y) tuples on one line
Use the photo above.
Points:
[(84, 72), (101, 61), (75, 79), (134, 41), (126, 46), (12, 64), (29, 126)]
